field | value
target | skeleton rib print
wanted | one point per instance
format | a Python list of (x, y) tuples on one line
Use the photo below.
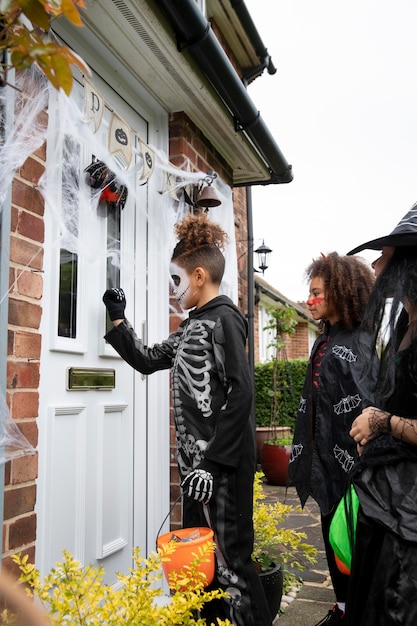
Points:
[(192, 391)]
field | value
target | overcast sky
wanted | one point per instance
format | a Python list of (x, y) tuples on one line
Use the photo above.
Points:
[(342, 107)]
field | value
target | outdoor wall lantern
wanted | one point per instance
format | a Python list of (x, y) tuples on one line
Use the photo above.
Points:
[(263, 253)]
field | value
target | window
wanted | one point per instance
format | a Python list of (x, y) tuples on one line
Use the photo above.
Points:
[(68, 268)]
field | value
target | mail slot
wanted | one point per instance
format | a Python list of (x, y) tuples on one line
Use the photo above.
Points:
[(84, 378)]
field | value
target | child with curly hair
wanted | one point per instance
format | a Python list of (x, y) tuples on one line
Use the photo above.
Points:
[(212, 397), (323, 452)]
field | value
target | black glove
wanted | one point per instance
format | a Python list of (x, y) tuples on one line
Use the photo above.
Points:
[(199, 483), (115, 302)]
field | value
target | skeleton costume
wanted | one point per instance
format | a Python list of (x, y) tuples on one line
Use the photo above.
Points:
[(212, 395)]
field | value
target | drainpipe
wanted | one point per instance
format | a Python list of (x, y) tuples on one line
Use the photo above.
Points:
[(262, 53), (251, 306), (195, 35), (5, 219)]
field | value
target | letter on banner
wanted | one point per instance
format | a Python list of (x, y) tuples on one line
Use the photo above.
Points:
[(120, 144), (148, 157), (170, 185), (93, 105)]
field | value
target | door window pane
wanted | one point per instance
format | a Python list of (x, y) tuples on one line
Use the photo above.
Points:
[(68, 268)]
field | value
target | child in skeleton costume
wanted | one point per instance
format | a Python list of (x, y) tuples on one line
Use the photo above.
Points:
[(212, 395), (323, 452)]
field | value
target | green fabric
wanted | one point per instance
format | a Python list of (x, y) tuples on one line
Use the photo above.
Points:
[(339, 529)]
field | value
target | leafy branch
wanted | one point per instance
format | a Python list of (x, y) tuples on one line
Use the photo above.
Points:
[(24, 25)]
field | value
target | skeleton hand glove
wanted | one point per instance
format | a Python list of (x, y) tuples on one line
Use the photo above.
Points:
[(199, 483), (115, 302)]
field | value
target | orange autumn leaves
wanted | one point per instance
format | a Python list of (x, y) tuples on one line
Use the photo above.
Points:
[(23, 26)]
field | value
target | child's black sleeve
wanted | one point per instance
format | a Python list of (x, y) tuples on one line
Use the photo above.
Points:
[(142, 358)]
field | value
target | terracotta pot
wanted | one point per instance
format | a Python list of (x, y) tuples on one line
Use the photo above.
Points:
[(274, 463), (272, 583)]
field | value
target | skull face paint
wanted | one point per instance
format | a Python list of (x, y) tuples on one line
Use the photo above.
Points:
[(181, 281)]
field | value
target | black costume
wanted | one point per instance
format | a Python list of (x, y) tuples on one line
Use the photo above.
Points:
[(383, 588), (212, 396), (323, 451)]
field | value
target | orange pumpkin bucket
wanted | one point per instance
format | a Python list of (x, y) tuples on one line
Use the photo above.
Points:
[(187, 542)]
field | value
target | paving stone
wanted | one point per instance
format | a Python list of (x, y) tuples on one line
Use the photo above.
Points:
[(316, 596)]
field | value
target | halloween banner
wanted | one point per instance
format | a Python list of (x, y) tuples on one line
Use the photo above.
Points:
[(148, 156), (120, 144), (93, 105)]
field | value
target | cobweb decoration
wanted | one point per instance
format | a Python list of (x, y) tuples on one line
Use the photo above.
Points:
[(72, 203), (27, 102), (13, 444)]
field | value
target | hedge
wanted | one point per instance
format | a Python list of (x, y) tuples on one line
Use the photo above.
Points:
[(289, 391)]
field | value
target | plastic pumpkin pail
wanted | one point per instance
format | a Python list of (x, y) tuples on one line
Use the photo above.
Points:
[(186, 551)]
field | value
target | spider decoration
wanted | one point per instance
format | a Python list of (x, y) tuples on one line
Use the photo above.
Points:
[(113, 193)]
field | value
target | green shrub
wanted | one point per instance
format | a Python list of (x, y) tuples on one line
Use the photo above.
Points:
[(290, 398), (72, 595)]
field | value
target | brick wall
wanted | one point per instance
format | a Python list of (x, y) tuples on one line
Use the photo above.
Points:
[(23, 360), (297, 344)]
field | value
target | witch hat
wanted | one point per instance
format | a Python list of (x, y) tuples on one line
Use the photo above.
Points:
[(404, 234)]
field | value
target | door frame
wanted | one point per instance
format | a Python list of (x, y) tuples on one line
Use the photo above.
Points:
[(152, 440)]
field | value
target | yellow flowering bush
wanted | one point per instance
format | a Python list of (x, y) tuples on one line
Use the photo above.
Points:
[(75, 595), (273, 543)]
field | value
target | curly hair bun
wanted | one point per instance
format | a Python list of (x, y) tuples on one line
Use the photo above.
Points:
[(196, 231)]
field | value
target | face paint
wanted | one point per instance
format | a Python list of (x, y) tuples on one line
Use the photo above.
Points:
[(181, 281), (315, 301)]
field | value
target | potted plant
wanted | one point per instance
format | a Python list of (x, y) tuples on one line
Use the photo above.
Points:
[(276, 451), (276, 549)]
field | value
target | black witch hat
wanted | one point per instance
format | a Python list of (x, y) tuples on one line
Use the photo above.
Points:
[(404, 234)]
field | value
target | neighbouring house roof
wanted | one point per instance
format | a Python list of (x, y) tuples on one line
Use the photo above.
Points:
[(261, 286)]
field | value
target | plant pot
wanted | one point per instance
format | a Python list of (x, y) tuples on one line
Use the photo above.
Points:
[(274, 463), (272, 583), (263, 433)]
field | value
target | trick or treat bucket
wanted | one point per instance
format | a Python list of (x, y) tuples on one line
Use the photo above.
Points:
[(187, 542)]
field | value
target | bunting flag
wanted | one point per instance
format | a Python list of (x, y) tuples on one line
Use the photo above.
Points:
[(170, 185), (148, 156), (120, 144), (121, 147), (93, 105)]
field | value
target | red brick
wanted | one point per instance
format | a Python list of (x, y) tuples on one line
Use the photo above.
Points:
[(22, 532), (178, 147), (30, 284), (30, 430), (14, 217), (19, 500), (10, 566), (25, 253), (23, 313), (41, 151), (30, 226), (24, 469), (25, 404), (32, 170), (22, 375), (27, 345), (7, 471), (26, 196), (10, 342)]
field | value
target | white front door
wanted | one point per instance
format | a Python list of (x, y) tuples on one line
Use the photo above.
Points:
[(93, 494)]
